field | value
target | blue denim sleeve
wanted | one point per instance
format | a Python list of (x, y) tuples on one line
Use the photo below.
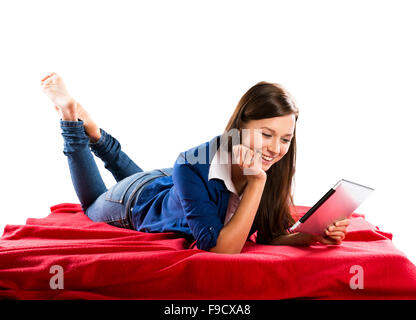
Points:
[(201, 212)]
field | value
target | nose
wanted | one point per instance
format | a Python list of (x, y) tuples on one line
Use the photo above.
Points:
[(274, 147)]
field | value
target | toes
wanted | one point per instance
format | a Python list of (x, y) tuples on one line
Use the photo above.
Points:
[(49, 76), (49, 81), (44, 78)]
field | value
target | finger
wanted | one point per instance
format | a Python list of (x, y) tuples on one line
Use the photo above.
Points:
[(336, 228), (257, 157), (334, 240), (252, 162), (327, 240), (339, 224), (344, 222), (240, 154), (339, 236), (335, 234), (236, 154), (248, 157), (334, 231)]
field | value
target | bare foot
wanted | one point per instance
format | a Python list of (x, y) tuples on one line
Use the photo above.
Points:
[(54, 87), (69, 109)]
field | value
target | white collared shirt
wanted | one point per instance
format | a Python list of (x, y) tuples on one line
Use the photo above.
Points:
[(223, 171)]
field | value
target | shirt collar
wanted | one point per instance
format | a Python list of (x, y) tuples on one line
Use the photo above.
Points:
[(222, 170)]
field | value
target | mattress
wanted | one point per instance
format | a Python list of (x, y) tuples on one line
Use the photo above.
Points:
[(65, 255)]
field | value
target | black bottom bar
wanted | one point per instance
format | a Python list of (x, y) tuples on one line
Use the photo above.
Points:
[(206, 309)]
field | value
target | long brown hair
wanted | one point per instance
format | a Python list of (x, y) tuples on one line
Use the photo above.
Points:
[(268, 100)]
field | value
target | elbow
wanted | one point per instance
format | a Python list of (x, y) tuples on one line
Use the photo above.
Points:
[(218, 242), (221, 248), (217, 249), (225, 245)]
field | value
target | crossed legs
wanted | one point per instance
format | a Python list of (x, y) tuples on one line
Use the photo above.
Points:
[(80, 135)]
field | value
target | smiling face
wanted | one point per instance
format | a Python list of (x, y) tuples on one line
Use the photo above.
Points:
[(271, 136)]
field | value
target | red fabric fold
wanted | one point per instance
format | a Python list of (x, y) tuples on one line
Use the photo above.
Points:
[(100, 261)]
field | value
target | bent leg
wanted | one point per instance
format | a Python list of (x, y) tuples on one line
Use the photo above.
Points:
[(108, 149), (85, 175)]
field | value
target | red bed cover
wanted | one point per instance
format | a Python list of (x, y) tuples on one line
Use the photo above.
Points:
[(99, 261)]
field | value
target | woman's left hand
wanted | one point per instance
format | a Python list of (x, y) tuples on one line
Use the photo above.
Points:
[(334, 234), (337, 230)]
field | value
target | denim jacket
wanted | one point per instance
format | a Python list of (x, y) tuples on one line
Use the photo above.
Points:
[(186, 201)]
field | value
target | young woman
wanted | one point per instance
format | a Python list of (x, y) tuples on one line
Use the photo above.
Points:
[(217, 194)]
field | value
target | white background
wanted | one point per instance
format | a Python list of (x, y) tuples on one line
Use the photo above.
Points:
[(165, 76)]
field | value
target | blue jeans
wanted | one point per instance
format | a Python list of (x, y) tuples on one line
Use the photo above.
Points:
[(112, 206)]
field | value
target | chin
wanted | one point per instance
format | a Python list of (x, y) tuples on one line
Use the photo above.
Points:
[(268, 166)]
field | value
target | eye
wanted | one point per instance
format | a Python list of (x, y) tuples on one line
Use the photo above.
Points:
[(286, 140), (267, 135)]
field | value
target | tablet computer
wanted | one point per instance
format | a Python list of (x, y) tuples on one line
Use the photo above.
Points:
[(337, 204)]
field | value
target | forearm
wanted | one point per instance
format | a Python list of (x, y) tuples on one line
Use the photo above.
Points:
[(294, 239), (233, 235)]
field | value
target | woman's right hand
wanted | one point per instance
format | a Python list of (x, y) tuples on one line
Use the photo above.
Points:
[(250, 162)]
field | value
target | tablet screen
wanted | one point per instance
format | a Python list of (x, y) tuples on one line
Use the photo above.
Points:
[(337, 204)]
